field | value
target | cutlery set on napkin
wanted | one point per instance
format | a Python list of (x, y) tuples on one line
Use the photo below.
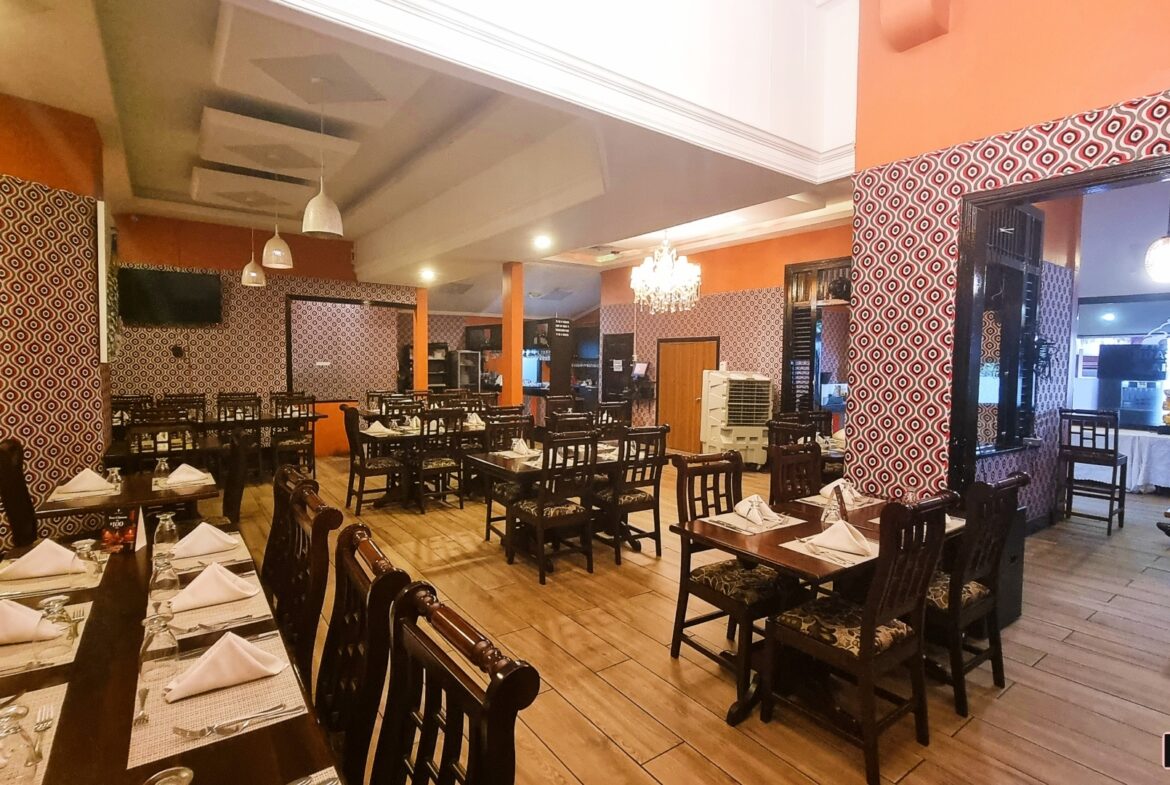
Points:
[(753, 516), (840, 543), (376, 428)]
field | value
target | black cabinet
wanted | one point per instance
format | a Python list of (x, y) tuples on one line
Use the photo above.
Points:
[(617, 357)]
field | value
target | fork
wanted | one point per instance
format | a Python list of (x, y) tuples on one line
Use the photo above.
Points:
[(214, 626), (140, 716), (208, 730), (45, 715)]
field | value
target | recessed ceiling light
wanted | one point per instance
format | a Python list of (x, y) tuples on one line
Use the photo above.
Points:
[(1108, 316), (542, 242), (427, 274)]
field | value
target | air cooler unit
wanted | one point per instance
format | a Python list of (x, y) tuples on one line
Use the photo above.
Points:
[(736, 408)]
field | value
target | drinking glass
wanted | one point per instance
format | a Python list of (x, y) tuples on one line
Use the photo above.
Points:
[(166, 534), (114, 477), (179, 775), (161, 469), (164, 581), (83, 549), (56, 619), (18, 764), (100, 557), (158, 660)]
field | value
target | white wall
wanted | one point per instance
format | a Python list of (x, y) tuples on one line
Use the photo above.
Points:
[(1116, 228)]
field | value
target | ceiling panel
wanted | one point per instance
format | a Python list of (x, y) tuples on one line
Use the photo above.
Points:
[(240, 191), (246, 142)]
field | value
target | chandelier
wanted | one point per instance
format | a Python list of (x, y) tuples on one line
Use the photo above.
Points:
[(665, 282)]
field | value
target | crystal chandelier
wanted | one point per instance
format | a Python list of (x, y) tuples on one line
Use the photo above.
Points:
[(665, 282)]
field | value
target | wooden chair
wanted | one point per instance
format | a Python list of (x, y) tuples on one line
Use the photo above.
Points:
[(487, 399), (561, 421), (864, 642), (445, 400), (192, 407), (795, 471), (363, 465), (744, 593), (297, 434), (786, 432), (498, 410), (160, 434), (569, 463), (434, 706), (968, 594), (438, 459), (613, 417), (401, 409), (821, 420), (121, 412), (1089, 437), (374, 398), (499, 432), (15, 499), (234, 472), (356, 652), (637, 487), (232, 408), (296, 562), (420, 395)]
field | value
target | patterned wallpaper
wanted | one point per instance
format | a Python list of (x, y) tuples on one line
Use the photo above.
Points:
[(446, 329), (907, 217), (244, 352), (359, 342), (749, 324), (51, 395), (835, 344), (1056, 322)]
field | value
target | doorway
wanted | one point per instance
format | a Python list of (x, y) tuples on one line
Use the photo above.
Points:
[(681, 362)]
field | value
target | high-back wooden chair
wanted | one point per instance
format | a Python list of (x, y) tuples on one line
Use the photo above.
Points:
[(636, 487), (795, 471), (865, 642), (487, 399), (560, 421), (787, 432), (497, 410), (14, 496), (365, 463), (296, 435), (192, 407), (1089, 436), (743, 593), (374, 398), (612, 417), (296, 563), (434, 707), (970, 591), (499, 433), (121, 412), (568, 466), (241, 409), (357, 647), (438, 459)]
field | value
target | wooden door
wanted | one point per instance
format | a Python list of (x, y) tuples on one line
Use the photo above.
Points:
[(680, 388)]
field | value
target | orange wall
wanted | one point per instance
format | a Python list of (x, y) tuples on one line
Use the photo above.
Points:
[(330, 438), (757, 265), (1062, 230), (147, 239), (51, 146), (1005, 64)]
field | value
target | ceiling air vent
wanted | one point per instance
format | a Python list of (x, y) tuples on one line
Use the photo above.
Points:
[(455, 288), (557, 294)]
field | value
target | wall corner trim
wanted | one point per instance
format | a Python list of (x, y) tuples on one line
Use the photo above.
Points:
[(908, 23)]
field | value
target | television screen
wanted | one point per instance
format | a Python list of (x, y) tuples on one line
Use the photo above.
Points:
[(157, 297), (1133, 362)]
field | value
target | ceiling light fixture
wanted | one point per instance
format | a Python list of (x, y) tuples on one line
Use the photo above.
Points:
[(666, 282), (1158, 257), (253, 274), (1108, 316), (542, 242), (322, 218), (277, 254), (427, 274)]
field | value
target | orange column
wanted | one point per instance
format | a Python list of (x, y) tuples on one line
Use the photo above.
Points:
[(513, 337), (420, 339)]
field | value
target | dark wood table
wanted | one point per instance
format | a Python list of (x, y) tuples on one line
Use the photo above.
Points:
[(136, 492), (93, 727)]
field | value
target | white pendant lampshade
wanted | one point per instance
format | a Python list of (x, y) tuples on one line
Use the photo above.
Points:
[(1158, 257), (277, 254), (253, 274), (322, 218)]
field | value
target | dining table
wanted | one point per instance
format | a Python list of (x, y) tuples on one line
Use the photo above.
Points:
[(93, 697), (137, 490)]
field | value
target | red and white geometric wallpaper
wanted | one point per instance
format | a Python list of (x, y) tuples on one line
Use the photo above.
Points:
[(749, 325), (358, 342), (50, 382), (835, 343), (905, 252)]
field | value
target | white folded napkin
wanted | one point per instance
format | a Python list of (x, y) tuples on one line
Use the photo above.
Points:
[(415, 423), (843, 537), (204, 539), (839, 435), (850, 496), (214, 586), (473, 419), (87, 480), (21, 624), (378, 429), (521, 448), (231, 660), (186, 474), (756, 510), (44, 559)]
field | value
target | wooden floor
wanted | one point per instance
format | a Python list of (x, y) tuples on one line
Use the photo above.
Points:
[(1087, 700)]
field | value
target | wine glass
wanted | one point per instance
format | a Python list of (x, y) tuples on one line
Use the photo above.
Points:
[(83, 549), (161, 470), (114, 477), (55, 620), (18, 763), (158, 660), (166, 534), (164, 581)]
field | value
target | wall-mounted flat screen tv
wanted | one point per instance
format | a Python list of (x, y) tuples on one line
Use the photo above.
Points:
[(158, 297)]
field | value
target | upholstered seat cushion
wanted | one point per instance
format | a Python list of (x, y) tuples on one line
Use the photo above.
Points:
[(837, 622), (600, 480), (294, 440), (740, 582), (530, 508), (630, 497), (506, 491), (383, 463), (435, 464), (939, 593)]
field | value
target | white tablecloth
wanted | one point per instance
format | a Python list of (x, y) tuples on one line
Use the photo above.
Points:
[(1149, 461)]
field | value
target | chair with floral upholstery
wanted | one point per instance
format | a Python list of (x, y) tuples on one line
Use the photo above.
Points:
[(296, 433), (438, 459), (568, 463), (865, 642), (968, 594), (641, 456), (743, 592), (500, 430), (366, 462)]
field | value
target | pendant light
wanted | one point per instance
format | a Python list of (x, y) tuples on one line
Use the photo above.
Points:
[(322, 218), (253, 274), (277, 254), (1158, 257)]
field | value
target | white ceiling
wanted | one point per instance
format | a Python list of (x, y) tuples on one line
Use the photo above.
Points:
[(567, 290), (212, 112), (1117, 227)]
